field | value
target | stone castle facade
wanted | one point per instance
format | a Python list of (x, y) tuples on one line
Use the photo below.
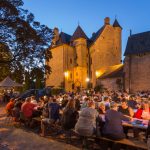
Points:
[(78, 60)]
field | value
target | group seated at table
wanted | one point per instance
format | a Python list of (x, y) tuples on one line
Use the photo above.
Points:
[(89, 111)]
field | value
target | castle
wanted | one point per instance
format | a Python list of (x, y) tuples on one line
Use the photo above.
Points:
[(78, 61)]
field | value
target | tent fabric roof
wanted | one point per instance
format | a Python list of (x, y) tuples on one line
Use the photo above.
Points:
[(8, 82), (111, 72)]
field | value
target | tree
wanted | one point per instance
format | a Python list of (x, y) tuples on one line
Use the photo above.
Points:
[(5, 55), (27, 41)]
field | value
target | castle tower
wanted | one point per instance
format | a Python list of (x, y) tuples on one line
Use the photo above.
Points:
[(117, 40), (79, 42)]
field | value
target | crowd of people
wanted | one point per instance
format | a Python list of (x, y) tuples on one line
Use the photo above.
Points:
[(88, 112)]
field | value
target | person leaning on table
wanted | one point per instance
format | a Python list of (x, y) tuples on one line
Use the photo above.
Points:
[(113, 128)]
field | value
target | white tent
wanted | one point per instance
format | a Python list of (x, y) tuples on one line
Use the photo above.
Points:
[(8, 82)]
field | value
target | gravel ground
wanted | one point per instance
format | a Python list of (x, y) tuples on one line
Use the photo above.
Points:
[(12, 138)]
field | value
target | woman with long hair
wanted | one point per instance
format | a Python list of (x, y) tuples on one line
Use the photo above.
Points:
[(70, 115)]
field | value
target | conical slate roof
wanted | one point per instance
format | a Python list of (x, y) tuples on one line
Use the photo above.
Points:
[(7, 82), (64, 38), (79, 33), (116, 24)]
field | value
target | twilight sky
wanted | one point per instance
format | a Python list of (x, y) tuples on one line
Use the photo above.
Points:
[(65, 14)]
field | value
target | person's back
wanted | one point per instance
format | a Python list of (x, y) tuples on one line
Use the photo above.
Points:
[(113, 128), (69, 118), (86, 123), (54, 110), (10, 105), (27, 108)]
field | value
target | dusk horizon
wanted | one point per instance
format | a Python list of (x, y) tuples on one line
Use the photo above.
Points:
[(66, 15)]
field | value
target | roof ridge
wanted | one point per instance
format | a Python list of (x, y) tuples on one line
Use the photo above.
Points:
[(139, 33), (97, 34)]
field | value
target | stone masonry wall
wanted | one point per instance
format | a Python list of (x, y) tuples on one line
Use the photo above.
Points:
[(138, 78)]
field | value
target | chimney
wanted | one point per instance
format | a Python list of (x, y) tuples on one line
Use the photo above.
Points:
[(107, 21)]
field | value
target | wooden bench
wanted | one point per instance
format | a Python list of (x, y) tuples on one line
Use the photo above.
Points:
[(128, 142)]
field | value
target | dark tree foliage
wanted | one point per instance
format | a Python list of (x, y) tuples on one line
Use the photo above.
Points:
[(24, 40)]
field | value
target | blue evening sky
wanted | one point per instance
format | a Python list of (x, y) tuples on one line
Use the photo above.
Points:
[(65, 14)]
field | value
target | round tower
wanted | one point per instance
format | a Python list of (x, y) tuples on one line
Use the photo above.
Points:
[(118, 40)]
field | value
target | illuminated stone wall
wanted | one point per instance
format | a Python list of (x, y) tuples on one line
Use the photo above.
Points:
[(62, 60), (106, 51), (137, 72)]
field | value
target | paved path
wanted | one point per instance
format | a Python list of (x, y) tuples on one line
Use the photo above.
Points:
[(12, 138)]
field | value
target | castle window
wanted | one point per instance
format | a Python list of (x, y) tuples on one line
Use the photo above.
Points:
[(70, 61)]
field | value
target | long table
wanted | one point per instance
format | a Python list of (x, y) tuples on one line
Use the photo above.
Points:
[(134, 124)]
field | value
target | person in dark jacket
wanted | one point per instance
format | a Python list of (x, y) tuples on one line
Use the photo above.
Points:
[(113, 128), (70, 115)]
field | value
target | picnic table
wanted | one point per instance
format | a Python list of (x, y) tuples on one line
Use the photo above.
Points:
[(137, 123)]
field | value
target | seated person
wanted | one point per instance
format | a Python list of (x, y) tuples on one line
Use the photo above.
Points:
[(16, 110), (125, 109), (144, 112), (27, 108), (54, 115), (33, 100), (86, 123), (70, 114), (102, 108), (132, 102), (113, 128), (107, 102), (10, 106)]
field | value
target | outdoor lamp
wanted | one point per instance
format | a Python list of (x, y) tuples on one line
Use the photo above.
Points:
[(87, 79)]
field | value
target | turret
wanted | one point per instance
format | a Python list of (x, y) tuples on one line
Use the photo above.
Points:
[(79, 41), (55, 36), (118, 39)]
